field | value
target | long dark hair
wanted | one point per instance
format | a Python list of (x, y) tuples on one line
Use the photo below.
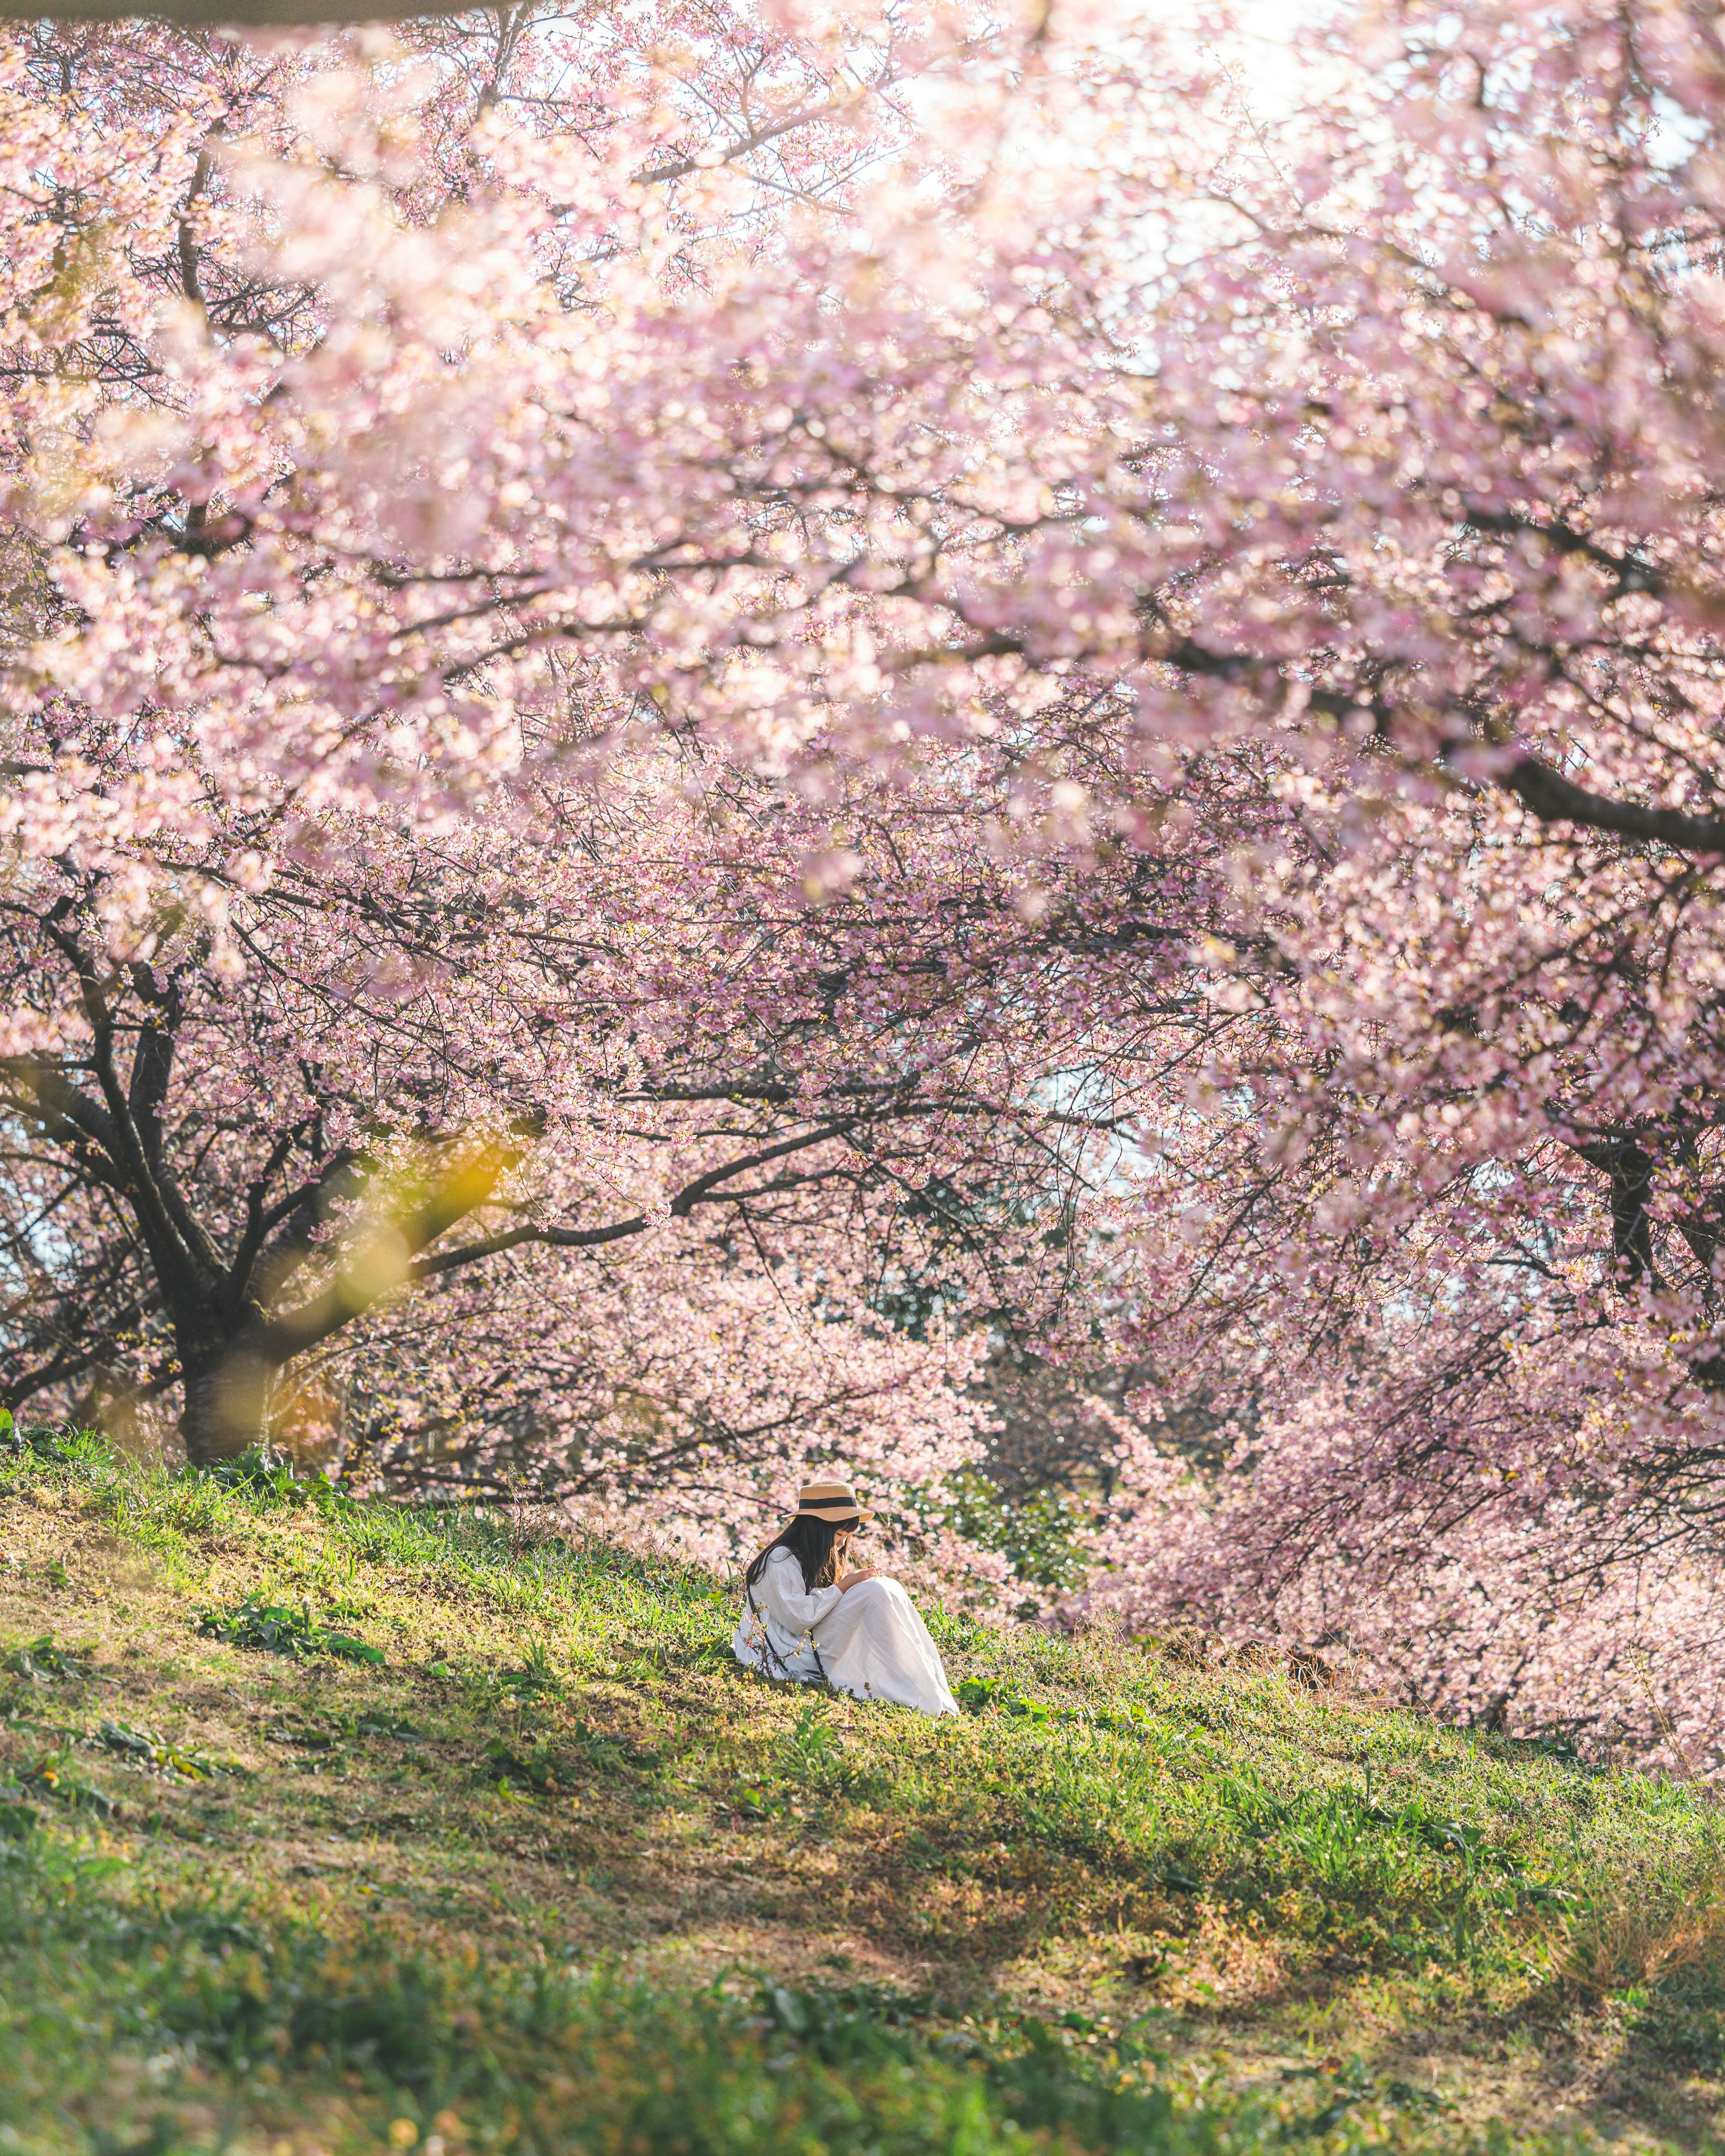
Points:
[(810, 1542)]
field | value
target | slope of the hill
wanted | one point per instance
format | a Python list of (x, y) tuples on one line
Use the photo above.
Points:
[(327, 1827)]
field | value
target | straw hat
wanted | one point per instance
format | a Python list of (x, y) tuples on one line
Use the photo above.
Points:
[(835, 1502)]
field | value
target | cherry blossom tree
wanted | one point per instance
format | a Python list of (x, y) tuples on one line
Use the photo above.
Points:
[(450, 1054), (314, 1008), (848, 621), (1447, 1178)]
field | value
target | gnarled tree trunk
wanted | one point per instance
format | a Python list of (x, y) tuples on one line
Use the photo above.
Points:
[(228, 1386)]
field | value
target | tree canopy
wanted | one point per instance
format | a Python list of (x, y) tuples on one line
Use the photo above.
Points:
[(912, 679)]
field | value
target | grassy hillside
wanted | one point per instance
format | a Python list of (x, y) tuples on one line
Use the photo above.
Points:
[(327, 1827)]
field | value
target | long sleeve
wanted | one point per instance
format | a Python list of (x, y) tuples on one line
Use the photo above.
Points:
[(785, 1599)]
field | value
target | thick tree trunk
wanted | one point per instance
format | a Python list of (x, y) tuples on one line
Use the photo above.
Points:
[(227, 1401)]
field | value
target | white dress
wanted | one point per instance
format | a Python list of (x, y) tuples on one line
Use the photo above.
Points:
[(868, 1638)]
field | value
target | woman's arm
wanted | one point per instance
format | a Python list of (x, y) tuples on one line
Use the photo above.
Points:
[(784, 1597), (854, 1578)]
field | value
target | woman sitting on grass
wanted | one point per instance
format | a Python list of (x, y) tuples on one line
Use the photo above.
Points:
[(806, 1617)]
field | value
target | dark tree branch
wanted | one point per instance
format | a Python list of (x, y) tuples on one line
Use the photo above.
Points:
[(1554, 799)]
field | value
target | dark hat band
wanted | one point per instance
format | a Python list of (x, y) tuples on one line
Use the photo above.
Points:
[(834, 1503)]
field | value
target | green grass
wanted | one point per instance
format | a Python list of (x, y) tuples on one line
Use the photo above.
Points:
[(554, 1874)]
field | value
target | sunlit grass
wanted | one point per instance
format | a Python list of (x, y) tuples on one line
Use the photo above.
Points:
[(1259, 1910)]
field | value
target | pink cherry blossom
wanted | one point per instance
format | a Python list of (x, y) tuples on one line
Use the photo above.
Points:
[(710, 712)]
